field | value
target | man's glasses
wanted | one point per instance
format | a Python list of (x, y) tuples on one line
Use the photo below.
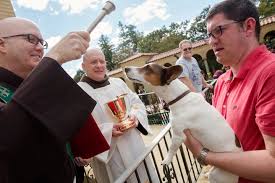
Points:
[(31, 38), (218, 31), (189, 49)]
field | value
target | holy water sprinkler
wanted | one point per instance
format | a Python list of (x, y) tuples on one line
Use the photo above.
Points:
[(108, 8)]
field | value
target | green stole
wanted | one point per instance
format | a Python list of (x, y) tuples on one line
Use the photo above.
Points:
[(6, 93)]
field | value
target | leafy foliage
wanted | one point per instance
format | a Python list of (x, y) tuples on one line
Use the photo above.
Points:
[(163, 39), (266, 7), (107, 49), (197, 30), (78, 75), (130, 36)]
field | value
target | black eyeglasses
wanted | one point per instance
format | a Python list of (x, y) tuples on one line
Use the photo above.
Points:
[(185, 49), (218, 31), (31, 38)]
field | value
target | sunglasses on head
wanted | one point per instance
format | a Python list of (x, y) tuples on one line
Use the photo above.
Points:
[(189, 49)]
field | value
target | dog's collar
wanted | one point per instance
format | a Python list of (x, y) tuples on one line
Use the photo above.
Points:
[(179, 97)]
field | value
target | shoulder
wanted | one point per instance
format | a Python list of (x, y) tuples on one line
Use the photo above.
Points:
[(83, 85), (180, 61), (266, 78), (267, 68), (194, 60), (115, 80)]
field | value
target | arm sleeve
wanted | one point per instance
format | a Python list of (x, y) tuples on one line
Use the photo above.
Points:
[(89, 141), (50, 96), (185, 72), (265, 107)]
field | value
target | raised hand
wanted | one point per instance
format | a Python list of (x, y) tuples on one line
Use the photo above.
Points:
[(70, 47)]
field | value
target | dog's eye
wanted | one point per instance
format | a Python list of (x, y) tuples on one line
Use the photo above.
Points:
[(145, 68), (148, 69)]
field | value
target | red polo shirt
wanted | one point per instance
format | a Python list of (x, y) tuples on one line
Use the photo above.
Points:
[(248, 101)]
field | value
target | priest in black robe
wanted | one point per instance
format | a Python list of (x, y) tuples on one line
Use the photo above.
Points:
[(41, 107)]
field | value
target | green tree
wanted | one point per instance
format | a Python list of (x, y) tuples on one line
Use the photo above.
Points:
[(151, 42), (163, 39), (176, 33), (266, 7), (121, 53), (78, 75), (107, 49), (129, 36), (197, 30)]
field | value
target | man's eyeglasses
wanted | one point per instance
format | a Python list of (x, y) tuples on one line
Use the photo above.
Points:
[(218, 31), (31, 38), (189, 49)]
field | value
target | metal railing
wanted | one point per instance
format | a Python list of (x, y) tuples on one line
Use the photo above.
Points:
[(161, 118), (187, 170), (184, 167)]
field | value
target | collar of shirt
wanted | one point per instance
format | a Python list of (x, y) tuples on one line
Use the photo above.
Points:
[(96, 84)]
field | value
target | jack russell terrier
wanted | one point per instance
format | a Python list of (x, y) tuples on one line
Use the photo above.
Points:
[(188, 110)]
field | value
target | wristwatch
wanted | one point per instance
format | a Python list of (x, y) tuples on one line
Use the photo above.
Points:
[(202, 156)]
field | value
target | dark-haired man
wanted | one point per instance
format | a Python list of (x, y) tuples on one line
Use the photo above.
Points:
[(245, 94)]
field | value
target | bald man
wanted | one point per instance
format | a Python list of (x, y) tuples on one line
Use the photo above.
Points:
[(125, 144), (36, 100)]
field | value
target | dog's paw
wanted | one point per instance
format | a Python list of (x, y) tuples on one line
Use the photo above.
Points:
[(166, 160)]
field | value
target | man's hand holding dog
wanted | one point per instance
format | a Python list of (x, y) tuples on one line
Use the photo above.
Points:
[(192, 143)]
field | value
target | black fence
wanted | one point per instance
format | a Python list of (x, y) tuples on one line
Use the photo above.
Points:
[(183, 169)]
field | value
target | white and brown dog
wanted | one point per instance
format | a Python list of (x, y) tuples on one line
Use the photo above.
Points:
[(188, 111)]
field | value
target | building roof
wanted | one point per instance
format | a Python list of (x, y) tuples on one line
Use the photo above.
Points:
[(136, 56), (164, 54), (6, 9), (267, 20), (110, 73)]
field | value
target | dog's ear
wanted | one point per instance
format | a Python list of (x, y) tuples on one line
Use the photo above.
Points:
[(172, 73)]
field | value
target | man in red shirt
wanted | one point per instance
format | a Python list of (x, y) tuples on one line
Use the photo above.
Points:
[(245, 94)]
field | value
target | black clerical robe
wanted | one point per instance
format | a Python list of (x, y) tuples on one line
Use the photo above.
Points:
[(46, 110)]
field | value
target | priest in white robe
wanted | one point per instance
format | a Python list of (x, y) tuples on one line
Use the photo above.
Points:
[(125, 146)]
